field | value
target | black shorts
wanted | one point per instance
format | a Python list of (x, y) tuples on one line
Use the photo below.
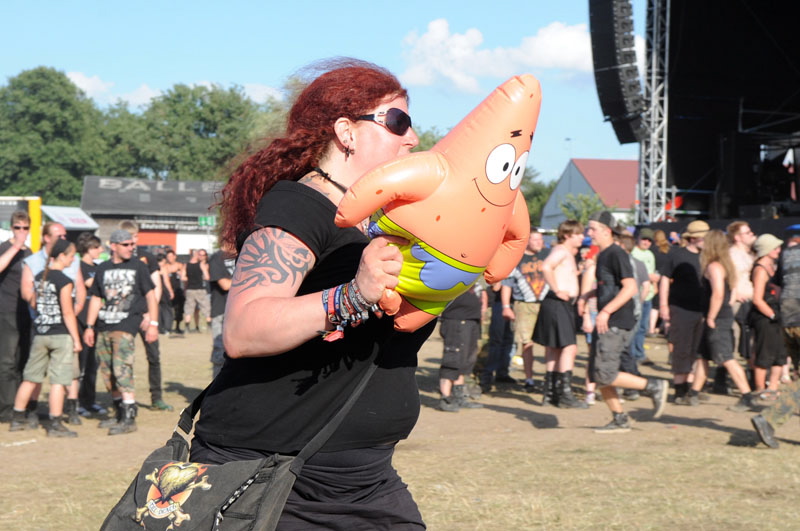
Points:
[(605, 353), (718, 342), (555, 326), (460, 352), (685, 334), (769, 343)]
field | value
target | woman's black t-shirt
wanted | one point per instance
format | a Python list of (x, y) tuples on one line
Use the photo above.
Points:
[(49, 320), (278, 403)]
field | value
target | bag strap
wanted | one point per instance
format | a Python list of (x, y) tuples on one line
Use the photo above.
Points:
[(186, 421)]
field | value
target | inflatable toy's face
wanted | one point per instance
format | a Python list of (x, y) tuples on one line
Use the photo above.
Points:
[(505, 166)]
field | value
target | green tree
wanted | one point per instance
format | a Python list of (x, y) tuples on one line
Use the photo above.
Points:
[(49, 137), (192, 132), (427, 138), (123, 134), (536, 194), (580, 206)]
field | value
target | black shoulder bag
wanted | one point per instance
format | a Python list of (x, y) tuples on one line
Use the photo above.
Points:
[(169, 492)]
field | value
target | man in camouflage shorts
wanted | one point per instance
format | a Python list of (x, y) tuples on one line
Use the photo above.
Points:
[(120, 286)]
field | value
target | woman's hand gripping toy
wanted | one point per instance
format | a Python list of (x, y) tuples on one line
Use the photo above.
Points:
[(458, 205)]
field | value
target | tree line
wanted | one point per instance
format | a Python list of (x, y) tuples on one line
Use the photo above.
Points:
[(52, 135)]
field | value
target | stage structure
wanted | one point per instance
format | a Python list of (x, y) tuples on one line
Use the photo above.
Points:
[(720, 115)]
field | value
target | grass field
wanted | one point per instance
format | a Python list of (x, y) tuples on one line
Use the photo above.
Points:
[(513, 464)]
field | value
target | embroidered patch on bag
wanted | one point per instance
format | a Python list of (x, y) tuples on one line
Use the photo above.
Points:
[(171, 487)]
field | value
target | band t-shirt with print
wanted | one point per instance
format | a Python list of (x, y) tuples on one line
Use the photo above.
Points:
[(49, 320), (124, 288)]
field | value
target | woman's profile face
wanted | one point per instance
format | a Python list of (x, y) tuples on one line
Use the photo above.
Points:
[(375, 144)]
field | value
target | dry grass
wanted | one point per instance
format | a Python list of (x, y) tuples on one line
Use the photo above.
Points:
[(511, 465)]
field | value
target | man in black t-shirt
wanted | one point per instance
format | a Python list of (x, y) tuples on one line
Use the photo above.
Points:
[(122, 293), (614, 325), (152, 349), (683, 305), (220, 272), (14, 317)]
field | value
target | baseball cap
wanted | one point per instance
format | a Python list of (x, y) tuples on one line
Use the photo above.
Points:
[(120, 235), (604, 217)]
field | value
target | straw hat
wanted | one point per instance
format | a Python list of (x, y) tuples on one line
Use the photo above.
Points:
[(696, 229)]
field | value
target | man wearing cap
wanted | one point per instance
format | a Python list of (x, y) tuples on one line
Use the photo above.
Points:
[(683, 306), (614, 324), (121, 294), (643, 253), (152, 349)]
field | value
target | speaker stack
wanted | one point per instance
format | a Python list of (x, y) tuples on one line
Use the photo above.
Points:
[(615, 71)]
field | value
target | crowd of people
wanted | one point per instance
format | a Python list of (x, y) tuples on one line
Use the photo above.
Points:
[(302, 327), (724, 297), (67, 314)]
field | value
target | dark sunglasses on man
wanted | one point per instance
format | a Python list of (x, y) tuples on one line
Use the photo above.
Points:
[(20, 227), (395, 120)]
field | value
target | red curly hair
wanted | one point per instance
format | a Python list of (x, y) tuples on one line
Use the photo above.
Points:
[(348, 88)]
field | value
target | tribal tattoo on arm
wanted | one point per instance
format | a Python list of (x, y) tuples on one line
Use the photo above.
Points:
[(271, 257)]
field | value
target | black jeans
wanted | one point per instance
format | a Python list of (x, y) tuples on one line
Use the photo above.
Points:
[(15, 345), (87, 395), (153, 367)]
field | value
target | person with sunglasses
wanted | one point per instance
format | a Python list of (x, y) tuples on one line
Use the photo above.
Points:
[(299, 287), (122, 292), (53, 232), (14, 317)]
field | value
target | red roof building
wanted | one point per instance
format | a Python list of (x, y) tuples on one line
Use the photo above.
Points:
[(612, 181)]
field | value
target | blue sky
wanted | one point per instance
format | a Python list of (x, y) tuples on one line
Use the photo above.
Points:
[(449, 54)]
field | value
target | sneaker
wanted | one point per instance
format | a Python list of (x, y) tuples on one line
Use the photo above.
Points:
[(32, 419), (745, 403), (160, 405), (590, 398), (693, 399), (448, 403), (486, 388), (647, 362), (658, 389), (682, 400), (18, 421), (765, 431), (56, 429), (529, 386), (463, 399), (506, 380), (620, 424)]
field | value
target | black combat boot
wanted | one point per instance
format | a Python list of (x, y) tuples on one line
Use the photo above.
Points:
[(463, 399), (32, 414), (550, 393), (71, 409), (116, 409), (18, 421), (127, 422), (566, 399)]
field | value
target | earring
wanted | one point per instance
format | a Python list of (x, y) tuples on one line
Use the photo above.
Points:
[(348, 152)]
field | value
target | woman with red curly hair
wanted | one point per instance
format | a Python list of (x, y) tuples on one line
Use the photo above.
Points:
[(299, 287)]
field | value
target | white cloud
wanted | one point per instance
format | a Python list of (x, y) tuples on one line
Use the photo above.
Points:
[(458, 58), (141, 96), (262, 93), (93, 86)]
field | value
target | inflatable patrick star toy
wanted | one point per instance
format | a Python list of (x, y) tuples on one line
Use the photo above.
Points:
[(458, 205)]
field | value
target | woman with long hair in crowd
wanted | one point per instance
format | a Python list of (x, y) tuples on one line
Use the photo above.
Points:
[(660, 249), (770, 350), (719, 281), (282, 380)]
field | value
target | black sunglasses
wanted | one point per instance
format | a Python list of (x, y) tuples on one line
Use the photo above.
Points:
[(20, 227), (395, 120), (125, 244)]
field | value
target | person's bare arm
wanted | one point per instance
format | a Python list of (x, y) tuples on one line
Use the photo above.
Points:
[(68, 316), (264, 316)]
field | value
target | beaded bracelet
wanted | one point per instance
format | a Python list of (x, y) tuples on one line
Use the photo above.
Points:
[(344, 305)]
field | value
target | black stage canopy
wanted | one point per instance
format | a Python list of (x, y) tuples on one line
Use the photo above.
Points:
[(734, 89)]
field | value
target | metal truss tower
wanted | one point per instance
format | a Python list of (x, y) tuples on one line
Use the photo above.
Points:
[(652, 193)]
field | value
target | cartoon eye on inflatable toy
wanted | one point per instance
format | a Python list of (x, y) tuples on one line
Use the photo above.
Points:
[(458, 205)]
